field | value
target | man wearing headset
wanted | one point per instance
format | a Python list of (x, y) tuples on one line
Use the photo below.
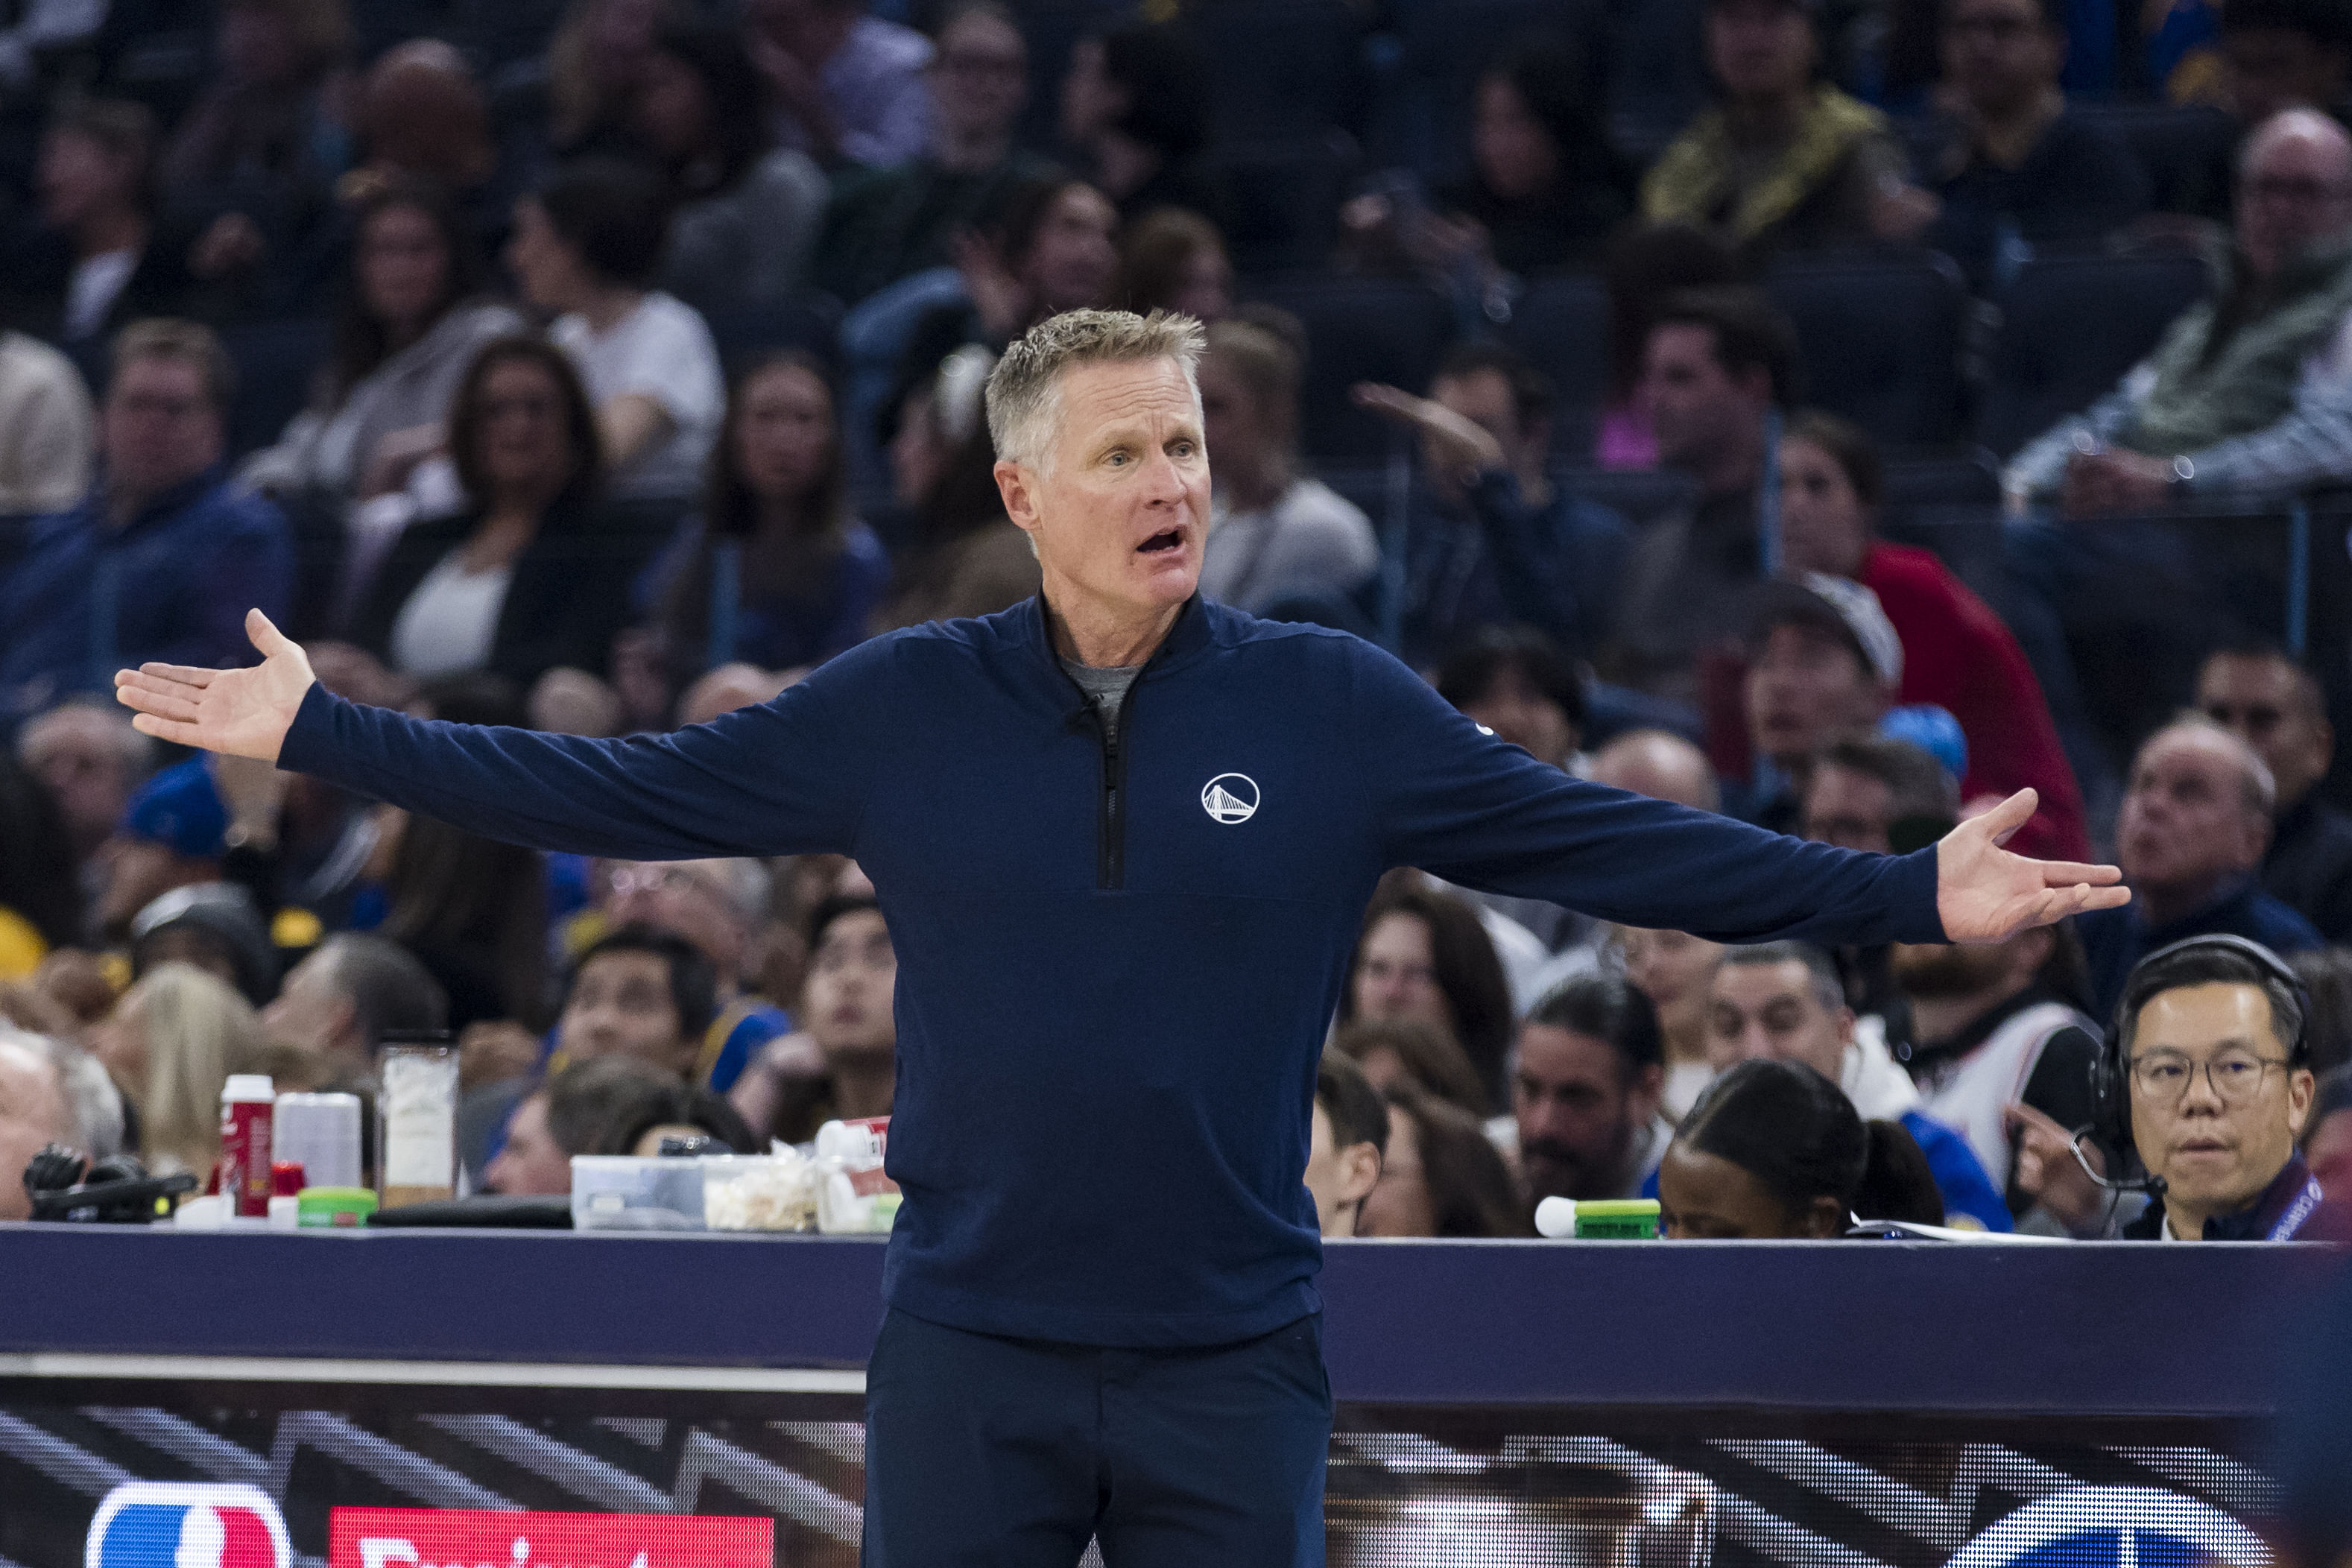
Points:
[(2207, 1077)]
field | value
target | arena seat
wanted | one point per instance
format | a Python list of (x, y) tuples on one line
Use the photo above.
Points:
[(1880, 334), (2187, 151), (1282, 199), (1280, 69), (1359, 329), (1657, 74), (1638, 495), (1561, 326), (2070, 327), (275, 363), (808, 321), (1443, 45)]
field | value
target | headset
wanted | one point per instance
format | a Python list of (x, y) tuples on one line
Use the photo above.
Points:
[(2110, 1075), (116, 1190)]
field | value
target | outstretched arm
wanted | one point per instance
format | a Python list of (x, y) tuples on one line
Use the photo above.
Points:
[(1453, 799), (772, 779)]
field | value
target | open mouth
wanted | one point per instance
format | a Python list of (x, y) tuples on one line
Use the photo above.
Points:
[(1163, 542)]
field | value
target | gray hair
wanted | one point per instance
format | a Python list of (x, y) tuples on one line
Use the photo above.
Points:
[(1025, 391), (1820, 969), (93, 1106), (2259, 789), (390, 991)]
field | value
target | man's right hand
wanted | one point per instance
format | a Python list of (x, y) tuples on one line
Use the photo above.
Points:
[(241, 712), (1451, 441)]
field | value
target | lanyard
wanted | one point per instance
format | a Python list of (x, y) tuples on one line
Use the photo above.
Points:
[(2297, 1212)]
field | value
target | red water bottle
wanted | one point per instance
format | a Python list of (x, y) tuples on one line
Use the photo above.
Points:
[(246, 1103)]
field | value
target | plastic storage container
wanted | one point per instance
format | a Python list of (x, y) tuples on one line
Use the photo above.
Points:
[(321, 1133), (629, 1191), (758, 1192)]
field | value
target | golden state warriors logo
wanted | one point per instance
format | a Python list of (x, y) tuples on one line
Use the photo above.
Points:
[(1230, 798)]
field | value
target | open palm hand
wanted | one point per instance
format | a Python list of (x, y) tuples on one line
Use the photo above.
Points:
[(1984, 894), (239, 712)]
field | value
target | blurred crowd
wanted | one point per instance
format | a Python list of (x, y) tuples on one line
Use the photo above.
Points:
[(604, 367)]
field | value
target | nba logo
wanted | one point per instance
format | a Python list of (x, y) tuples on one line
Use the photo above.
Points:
[(2115, 1526), (183, 1524)]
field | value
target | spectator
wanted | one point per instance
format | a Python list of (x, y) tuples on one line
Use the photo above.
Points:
[(589, 244), (1956, 654), (686, 1113), (746, 213), (1998, 1026), (2006, 156), (1783, 1000), (214, 927), (169, 1046), (2252, 390), (164, 557), (168, 836), (1493, 539), (718, 906), (33, 1113), (2215, 1084), (1646, 263), (641, 994), (848, 87), (1585, 1092), (1821, 662), (1676, 972), (1054, 250), (1545, 186), (474, 912), (2326, 975), (847, 1009), (1717, 363), (1785, 160), (1174, 259), (885, 224), (341, 1000), (596, 66), (2278, 54), (1277, 536), (2270, 702), (1661, 766), (422, 118), (46, 427), (267, 139), (411, 321), (102, 257), (40, 901), (775, 572), (534, 574), (1348, 1135), (963, 555), (1875, 793), (1439, 1176), (1772, 1152), (575, 1111), (1389, 1051), (2326, 1140), (1135, 111), (2195, 819), (1425, 957), (90, 759)]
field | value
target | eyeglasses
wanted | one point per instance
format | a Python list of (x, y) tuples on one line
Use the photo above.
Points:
[(2164, 1076)]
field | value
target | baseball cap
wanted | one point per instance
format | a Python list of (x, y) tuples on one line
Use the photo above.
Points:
[(180, 809), (1839, 607)]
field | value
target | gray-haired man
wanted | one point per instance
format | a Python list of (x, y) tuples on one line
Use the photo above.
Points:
[(1123, 839)]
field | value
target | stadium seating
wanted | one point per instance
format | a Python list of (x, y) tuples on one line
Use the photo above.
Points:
[(1443, 46), (1880, 335), (807, 321), (1359, 329), (2070, 326), (1282, 199), (1280, 67), (276, 362), (2187, 151), (1561, 326)]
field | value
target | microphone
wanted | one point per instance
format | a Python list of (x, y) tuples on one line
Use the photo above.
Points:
[(2154, 1186)]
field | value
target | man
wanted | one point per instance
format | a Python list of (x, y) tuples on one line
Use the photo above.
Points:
[(1493, 539), (2216, 1083), (2250, 390), (1783, 1000), (1661, 766), (1996, 1026), (2005, 154), (641, 994), (2278, 54), (718, 905), (1584, 1097), (2195, 819), (1124, 837), (850, 1026), (169, 836), (1869, 792), (339, 1002), (33, 1113), (580, 1111), (2274, 705), (1345, 1147), (165, 554), (1717, 363), (91, 759), (1821, 662), (885, 224), (849, 88)]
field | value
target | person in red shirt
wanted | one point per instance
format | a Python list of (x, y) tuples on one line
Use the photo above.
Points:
[(1956, 654)]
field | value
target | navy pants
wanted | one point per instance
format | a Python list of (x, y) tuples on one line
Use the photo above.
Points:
[(985, 1452)]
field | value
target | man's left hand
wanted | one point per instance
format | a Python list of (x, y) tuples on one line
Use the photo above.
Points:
[(2099, 483), (1986, 894)]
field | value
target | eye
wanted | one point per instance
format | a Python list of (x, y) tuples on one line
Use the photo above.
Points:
[(1115, 460), (2165, 1071)]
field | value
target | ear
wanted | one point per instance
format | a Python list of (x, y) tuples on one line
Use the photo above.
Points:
[(1845, 1023), (1824, 1219), (2300, 1085), (1359, 1172), (1018, 487)]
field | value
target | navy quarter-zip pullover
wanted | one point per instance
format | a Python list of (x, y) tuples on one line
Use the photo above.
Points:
[(1117, 958)]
